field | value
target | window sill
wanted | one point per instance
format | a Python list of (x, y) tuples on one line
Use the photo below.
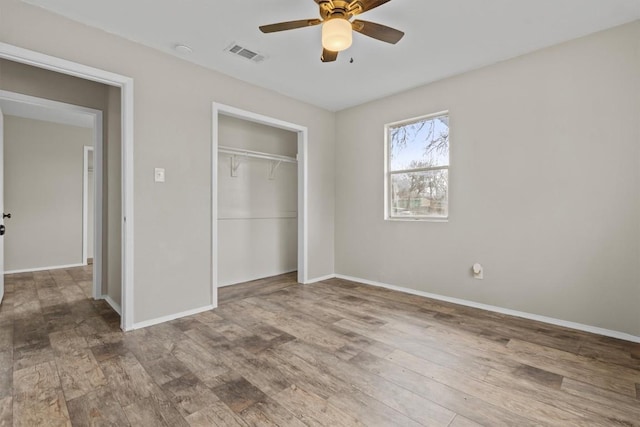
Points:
[(397, 219)]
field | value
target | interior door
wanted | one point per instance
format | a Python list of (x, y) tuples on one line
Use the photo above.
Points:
[(1, 206)]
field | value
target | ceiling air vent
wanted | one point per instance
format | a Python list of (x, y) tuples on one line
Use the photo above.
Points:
[(245, 53)]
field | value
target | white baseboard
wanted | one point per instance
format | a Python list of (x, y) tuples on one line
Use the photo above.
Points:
[(112, 303), (252, 278), (151, 322), (507, 311), (55, 267), (320, 279)]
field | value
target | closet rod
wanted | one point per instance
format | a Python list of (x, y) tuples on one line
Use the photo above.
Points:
[(256, 154)]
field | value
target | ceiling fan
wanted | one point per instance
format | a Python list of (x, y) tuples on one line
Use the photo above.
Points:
[(337, 26)]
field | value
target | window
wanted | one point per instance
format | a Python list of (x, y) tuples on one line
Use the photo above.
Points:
[(417, 168)]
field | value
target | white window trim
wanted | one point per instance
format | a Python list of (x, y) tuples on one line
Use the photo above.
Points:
[(388, 172)]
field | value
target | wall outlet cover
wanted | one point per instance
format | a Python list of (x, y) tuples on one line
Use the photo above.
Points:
[(159, 175)]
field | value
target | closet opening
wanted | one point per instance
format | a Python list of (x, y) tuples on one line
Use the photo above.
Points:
[(259, 198)]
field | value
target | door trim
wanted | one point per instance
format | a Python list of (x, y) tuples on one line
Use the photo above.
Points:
[(40, 60), (302, 132), (85, 207)]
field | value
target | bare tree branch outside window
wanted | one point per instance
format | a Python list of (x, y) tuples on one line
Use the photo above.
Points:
[(419, 168)]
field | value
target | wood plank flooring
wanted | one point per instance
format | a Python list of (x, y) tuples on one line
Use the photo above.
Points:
[(276, 353)]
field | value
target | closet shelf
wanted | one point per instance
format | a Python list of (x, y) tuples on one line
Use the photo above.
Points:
[(256, 154)]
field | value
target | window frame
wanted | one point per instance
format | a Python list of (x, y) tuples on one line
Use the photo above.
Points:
[(388, 173)]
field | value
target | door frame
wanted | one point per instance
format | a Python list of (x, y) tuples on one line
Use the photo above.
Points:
[(302, 133), (85, 206), (40, 60), (2, 205), (96, 131)]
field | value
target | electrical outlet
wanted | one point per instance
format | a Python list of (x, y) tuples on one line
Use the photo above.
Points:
[(478, 271)]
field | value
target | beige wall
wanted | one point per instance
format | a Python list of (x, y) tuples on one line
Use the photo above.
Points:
[(28, 80), (544, 188), (248, 135), (173, 130), (43, 164), (258, 225), (112, 219)]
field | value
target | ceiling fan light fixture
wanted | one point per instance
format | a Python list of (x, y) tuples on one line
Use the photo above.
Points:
[(336, 34)]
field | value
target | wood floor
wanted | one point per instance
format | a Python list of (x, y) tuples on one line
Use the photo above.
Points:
[(334, 353)]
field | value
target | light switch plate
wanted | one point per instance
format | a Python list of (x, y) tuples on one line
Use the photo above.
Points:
[(159, 175)]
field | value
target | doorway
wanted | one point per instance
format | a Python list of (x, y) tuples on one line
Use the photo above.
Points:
[(301, 137), (125, 84), (45, 193)]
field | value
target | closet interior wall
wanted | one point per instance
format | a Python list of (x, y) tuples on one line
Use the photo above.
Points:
[(257, 202)]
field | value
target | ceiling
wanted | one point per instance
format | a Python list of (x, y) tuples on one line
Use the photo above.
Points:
[(443, 38)]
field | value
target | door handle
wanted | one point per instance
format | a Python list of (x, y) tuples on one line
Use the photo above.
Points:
[(2, 229), (4, 215)]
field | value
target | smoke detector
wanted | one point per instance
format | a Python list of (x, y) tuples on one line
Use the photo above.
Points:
[(182, 48)]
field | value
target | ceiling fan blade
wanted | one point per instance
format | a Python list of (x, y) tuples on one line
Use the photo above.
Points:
[(290, 25), (372, 4), (328, 56), (377, 31)]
